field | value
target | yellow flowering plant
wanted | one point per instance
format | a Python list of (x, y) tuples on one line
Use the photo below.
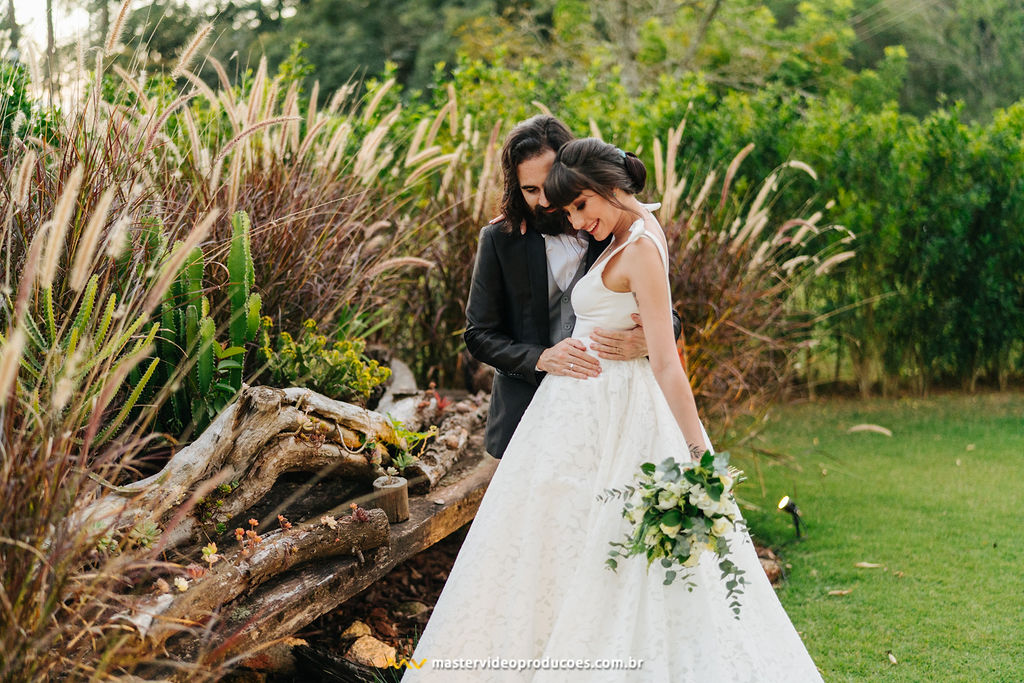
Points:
[(677, 512), (335, 368)]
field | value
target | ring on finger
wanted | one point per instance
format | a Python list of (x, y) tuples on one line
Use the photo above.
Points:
[(571, 365)]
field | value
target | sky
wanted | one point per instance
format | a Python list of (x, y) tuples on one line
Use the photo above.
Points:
[(31, 16)]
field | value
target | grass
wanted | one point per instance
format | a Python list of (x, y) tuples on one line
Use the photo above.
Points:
[(937, 504)]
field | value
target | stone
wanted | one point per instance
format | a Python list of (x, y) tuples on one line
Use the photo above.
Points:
[(403, 382), (356, 629), (369, 651), (410, 609)]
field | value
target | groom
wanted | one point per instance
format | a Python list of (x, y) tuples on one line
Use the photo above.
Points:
[(519, 315)]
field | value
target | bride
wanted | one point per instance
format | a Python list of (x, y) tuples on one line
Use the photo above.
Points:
[(529, 597)]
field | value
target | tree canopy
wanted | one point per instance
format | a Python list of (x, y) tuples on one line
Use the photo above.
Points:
[(923, 52)]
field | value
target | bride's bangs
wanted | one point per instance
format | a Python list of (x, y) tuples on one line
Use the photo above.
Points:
[(563, 185)]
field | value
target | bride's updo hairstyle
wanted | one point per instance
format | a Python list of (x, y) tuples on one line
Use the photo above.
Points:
[(592, 164)]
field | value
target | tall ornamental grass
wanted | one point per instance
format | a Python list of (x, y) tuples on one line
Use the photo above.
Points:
[(79, 314)]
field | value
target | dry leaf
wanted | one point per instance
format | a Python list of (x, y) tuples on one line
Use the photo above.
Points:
[(867, 565), (845, 591), (970, 447), (869, 428)]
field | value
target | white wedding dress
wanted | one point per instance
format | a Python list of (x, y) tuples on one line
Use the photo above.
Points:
[(530, 583)]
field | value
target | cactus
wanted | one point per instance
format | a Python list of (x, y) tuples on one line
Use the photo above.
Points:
[(204, 364), (245, 306), (187, 334)]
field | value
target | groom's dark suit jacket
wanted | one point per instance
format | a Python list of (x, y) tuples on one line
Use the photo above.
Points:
[(507, 321)]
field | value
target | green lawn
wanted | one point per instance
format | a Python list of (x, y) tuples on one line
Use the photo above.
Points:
[(939, 504)]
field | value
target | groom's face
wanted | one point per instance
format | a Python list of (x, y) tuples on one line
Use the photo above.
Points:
[(531, 175)]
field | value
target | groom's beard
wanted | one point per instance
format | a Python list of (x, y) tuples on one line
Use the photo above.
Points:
[(548, 222)]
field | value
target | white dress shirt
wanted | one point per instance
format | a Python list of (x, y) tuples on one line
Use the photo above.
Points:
[(565, 253)]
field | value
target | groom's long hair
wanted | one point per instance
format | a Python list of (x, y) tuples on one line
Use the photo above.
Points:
[(527, 140)]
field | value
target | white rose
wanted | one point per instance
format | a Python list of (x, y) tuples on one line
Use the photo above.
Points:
[(702, 500), (726, 481), (667, 500), (670, 531), (721, 526), (724, 506), (652, 537), (692, 560), (679, 488)]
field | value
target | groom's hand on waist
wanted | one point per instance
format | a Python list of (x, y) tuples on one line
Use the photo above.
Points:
[(569, 357), (620, 344)]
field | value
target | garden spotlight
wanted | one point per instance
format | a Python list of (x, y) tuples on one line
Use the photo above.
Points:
[(790, 507)]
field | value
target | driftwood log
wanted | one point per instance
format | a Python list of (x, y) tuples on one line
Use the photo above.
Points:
[(159, 617), (263, 434), (268, 584), (283, 605)]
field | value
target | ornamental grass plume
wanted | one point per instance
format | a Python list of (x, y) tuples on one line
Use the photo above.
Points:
[(190, 51), (737, 272), (117, 27)]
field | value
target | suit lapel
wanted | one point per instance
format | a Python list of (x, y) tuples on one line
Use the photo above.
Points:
[(537, 270)]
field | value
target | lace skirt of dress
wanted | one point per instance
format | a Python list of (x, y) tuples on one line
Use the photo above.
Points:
[(530, 581)]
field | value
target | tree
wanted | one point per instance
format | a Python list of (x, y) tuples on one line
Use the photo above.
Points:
[(50, 47), (11, 22), (356, 39), (967, 50)]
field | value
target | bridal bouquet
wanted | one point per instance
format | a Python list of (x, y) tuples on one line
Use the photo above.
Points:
[(678, 511)]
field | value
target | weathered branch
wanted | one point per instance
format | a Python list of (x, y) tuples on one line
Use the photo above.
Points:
[(448, 447), (159, 618)]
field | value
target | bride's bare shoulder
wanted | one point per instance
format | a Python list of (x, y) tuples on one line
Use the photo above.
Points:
[(644, 253)]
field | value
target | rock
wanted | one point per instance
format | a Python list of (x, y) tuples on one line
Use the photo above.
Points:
[(770, 563), (403, 382), (356, 629), (385, 628), (771, 569), (369, 651), (410, 609), (401, 386)]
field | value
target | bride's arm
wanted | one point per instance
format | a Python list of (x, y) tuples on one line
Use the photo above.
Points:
[(646, 274)]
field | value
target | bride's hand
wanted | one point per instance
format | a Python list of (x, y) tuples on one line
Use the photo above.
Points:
[(569, 357)]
